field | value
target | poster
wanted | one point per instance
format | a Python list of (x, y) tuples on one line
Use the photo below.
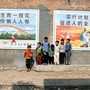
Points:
[(74, 25), (19, 28)]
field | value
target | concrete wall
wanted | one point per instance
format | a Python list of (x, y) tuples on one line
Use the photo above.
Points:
[(46, 7), (12, 58)]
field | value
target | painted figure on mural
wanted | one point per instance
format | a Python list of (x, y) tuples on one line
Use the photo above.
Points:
[(13, 40), (85, 38)]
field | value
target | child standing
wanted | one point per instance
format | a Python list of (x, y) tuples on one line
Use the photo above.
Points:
[(62, 52), (46, 46), (51, 54), (28, 54), (56, 55), (68, 48), (45, 58), (39, 53)]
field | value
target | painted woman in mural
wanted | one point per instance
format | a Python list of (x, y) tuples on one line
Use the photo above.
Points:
[(88, 41), (85, 38)]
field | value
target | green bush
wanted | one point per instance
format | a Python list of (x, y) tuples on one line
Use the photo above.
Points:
[(19, 37)]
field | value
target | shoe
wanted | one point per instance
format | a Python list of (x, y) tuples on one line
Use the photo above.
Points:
[(68, 63), (27, 70)]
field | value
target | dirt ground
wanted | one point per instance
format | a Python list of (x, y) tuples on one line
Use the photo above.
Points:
[(14, 76)]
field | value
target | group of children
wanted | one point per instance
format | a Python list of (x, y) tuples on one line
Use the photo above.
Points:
[(50, 54)]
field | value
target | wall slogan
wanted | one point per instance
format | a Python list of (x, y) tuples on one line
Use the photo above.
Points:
[(74, 25), (19, 28)]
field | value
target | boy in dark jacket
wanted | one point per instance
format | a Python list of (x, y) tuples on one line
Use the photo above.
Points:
[(51, 54)]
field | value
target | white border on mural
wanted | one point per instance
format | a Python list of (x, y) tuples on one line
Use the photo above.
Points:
[(36, 32), (55, 12)]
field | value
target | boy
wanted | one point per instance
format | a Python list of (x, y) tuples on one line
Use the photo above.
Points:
[(62, 52), (46, 46), (68, 48), (51, 54), (39, 53), (28, 54), (44, 58), (56, 55)]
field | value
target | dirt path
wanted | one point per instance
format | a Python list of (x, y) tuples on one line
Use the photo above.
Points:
[(11, 76)]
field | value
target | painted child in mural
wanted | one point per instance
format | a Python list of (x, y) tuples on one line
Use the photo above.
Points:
[(68, 35), (56, 53), (51, 54), (62, 52), (68, 49), (39, 53), (46, 46), (28, 55), (88, 43), (13, 40)]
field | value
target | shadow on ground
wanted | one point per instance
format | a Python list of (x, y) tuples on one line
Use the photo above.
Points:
[(67, 84), (25, 86), (51, 84)]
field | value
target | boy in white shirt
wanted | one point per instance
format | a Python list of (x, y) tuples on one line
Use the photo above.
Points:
[(62, 52), (56, 53)]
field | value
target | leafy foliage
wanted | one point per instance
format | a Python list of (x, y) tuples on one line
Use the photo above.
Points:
[(19, 37)]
